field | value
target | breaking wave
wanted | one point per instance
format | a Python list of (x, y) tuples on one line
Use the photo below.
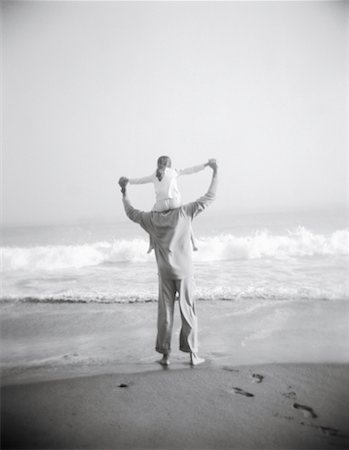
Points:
[(298, 243)]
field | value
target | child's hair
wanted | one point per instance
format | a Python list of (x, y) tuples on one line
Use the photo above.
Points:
[(163, 162)]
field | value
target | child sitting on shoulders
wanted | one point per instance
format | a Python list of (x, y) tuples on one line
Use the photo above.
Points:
[(167, 194)]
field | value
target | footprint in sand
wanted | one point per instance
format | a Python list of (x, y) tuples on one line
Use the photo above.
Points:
[(306, 410), (237, 390), (292, 395), (257, 378), (230, 369), (330, 431), (326, 430)]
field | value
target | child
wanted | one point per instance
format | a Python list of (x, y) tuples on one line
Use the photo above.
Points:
[(167, 194)]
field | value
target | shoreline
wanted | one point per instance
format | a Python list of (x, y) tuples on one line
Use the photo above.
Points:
[(52, 341)]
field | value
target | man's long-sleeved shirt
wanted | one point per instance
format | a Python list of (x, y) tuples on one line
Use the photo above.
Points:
[(171, 231)]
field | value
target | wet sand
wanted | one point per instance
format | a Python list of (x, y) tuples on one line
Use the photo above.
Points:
[(85, 376)]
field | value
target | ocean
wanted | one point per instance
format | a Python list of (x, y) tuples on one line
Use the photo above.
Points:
[(81, 300), (247, 256)]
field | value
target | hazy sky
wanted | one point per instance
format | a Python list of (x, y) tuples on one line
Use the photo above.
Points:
[(96, 90)]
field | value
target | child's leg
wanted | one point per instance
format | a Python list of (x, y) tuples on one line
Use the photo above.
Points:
[(151, 244), (193, 242)]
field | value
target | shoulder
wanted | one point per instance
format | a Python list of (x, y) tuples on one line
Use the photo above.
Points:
[(171, 172)]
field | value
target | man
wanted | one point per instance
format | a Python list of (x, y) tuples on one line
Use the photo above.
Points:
[(171, 231)]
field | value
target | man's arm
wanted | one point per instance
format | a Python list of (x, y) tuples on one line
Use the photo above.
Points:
[(203, 202), (134, 214)]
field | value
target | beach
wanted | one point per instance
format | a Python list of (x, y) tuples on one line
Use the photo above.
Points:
[(78, 318), (85, 376), (252, 94)]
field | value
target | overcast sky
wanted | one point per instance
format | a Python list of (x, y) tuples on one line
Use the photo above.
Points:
[(92, 91)]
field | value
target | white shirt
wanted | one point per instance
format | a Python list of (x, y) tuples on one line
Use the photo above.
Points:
[(167, 187)]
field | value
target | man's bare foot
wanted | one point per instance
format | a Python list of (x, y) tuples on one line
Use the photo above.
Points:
[(165, 360), (195, 360)]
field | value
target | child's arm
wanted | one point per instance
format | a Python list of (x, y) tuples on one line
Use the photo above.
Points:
[(191, 170), (143, 180)]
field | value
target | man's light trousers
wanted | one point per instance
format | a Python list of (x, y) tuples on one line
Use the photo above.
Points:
[(188, 339)]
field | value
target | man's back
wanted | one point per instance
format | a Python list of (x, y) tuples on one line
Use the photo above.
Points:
[(171, 231)]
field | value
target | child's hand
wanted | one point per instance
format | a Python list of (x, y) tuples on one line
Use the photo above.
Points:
[(210, 161), (122, 183), (213, 164)]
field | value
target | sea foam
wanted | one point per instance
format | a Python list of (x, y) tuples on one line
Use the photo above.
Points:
[(224, 247)]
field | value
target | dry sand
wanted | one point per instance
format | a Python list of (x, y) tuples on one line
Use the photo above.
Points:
[(271, 406)]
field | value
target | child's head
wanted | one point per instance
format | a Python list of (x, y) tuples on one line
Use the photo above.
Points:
[(164, 161)]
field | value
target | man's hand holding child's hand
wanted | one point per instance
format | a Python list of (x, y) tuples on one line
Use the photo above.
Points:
[(213, 164), (122, 183)]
